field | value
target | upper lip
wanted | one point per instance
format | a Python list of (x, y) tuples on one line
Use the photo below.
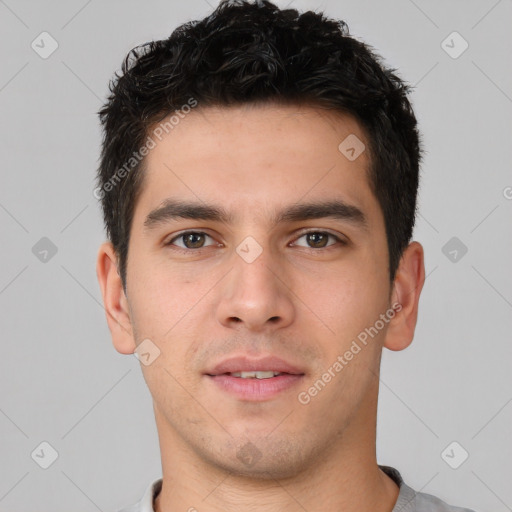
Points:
[(245, 363)]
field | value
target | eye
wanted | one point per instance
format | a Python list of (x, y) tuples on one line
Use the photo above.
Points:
[(190, 240), (318, 239)]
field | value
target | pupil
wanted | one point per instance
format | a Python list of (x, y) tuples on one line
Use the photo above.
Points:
[(193, 240), (318, 239)]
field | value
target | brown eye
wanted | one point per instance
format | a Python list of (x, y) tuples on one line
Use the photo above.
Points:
[(193, 240), (190, 240), (317, 239)]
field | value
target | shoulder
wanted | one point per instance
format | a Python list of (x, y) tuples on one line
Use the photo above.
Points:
[(411, 501), (429, 503), (145, 504)]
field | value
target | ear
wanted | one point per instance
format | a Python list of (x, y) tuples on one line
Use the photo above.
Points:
[(407, 287), (114, 300)]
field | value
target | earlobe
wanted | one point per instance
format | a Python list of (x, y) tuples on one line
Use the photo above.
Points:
[(114, 300), (407, 287)]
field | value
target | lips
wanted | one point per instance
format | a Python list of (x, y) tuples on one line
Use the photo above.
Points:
[(240, 364), (255, 380)]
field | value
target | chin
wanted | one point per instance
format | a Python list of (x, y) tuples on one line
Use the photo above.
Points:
[(261, 459)]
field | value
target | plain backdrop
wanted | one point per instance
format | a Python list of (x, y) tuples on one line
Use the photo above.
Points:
[(61, 380)]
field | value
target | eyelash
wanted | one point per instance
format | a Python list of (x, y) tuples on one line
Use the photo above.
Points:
[(328, 233), (186, 250)]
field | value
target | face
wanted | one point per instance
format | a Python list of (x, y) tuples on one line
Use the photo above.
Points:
[(255, 237)]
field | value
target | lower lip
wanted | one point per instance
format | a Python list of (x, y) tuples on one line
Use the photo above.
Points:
[(255, 389)]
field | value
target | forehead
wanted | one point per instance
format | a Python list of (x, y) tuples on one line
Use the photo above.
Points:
[(254, 158)]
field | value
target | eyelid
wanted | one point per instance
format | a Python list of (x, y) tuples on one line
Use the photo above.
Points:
[(179, 235), (338, 236)]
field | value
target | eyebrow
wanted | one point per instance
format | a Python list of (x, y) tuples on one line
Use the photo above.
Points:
[(172, 209), (175, 209), (335, 209)]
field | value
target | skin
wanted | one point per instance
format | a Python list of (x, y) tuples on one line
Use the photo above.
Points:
[(301, 302)]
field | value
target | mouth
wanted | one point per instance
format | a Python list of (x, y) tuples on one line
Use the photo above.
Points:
[(260, 374), (255, 380)]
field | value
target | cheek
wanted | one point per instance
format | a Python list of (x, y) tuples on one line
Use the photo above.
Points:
[(160, 296), (346, 299)]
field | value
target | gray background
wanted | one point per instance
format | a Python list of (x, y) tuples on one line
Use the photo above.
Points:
[(62, 381)]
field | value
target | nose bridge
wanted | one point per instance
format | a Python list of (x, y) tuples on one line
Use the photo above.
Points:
[(254, 292), (255, 267)]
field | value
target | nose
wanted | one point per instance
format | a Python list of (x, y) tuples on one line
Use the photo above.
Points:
[(257, 295)]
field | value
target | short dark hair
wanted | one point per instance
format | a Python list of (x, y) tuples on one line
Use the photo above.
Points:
[(253, 52)]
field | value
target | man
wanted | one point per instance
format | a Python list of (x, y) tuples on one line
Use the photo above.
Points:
[(258, 179)]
